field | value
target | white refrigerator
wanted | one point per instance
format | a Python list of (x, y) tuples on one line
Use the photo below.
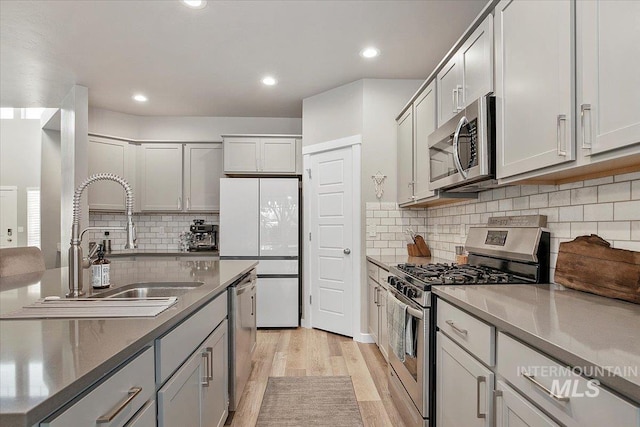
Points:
[(259, 219)]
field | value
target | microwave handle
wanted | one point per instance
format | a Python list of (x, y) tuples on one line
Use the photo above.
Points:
[(456, 149)]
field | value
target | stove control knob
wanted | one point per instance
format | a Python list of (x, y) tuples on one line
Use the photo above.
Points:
[(412, 293)]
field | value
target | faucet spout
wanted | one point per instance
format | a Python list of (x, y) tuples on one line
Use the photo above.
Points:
[(75, 250)]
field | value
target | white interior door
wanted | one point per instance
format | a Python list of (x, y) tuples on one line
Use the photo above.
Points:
[(331, 225), (8, 217)]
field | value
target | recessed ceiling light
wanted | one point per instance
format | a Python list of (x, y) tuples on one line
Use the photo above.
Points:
[(140, 97), (195, 4), (370, 52), (269, 81)]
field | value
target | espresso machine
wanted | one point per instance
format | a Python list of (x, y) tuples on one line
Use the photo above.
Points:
[(204, 237)]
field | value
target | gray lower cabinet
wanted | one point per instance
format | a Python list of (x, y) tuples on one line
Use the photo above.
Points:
[(197, 394), (464, 387), (114, 401), (215, 395), (146, 417), (514, 410), (180, 399)]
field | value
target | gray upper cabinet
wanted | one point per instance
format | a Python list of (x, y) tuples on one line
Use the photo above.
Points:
[(202, 173), (109, 156), (469, 73), (405, 157), (261, 154), (608, 48), (449, 87), (424, 124), (160, 177), (534, 76)]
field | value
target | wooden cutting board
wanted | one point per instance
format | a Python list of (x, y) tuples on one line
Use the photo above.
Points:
[(589, 264)]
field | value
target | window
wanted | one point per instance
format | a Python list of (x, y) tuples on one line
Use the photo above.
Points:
[(33, 216)]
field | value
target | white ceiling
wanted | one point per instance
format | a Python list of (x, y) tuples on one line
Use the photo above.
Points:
[(209, 62)]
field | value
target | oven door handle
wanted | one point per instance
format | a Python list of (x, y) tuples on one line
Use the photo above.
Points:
[(456, 146), (412, 311), (415, 313)]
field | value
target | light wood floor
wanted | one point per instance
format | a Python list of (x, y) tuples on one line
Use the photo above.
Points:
[(309, 352)]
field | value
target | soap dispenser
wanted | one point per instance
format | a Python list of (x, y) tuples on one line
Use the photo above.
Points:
[(100, 270)]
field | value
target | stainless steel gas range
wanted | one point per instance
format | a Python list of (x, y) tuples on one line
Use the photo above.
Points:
[(509, 250)]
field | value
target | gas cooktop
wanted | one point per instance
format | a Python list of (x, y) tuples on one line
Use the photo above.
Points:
[(445, 274)]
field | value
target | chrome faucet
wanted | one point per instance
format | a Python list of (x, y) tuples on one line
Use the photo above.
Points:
[(76, 261)]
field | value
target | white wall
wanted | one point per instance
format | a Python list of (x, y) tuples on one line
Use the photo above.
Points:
[(333, 114), (20, 163), (127, 126), (50, 179), (366, 107), (382, 101)]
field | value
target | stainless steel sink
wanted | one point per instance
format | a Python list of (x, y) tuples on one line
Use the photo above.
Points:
[(151, 289)]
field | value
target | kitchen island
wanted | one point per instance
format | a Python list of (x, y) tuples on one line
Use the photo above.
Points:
[(48, 362)]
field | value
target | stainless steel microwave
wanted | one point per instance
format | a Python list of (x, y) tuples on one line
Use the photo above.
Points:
[(462, 151)]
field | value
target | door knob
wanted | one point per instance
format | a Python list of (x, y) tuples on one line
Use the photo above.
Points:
[(347, 251)]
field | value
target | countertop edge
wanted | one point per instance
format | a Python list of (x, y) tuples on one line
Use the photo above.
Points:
[(616, 383), (378, 263), (79, 387)]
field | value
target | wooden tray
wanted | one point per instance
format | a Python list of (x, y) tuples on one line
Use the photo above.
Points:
[(589, 264)]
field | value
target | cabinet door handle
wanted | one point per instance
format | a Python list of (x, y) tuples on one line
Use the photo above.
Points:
[(585, 131), (252, 304), (479, 380), (559, 134), (454, 100), (459, 92), (108, 417), (456, 328), (188, 203), (375, 295), (205, 379), (209, 351), (179, 203), (541, 386)]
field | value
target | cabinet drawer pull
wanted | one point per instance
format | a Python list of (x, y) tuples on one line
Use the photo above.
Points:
[(479, 381), (535, 382), (252, 305), (457, 329), (375, 295), (107, 418), (205, 379)]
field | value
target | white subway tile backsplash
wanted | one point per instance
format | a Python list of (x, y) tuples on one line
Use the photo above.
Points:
[(571, 213), (381, 214), (620, 230), (526, 190), (599, 212), (513, 191), (635, 230), (623, 211), (583, 229), (609, 207), (635, 190), (614, 192), (583, 196), (630, 245), (560, 198), (539, 201), (627, 177)]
